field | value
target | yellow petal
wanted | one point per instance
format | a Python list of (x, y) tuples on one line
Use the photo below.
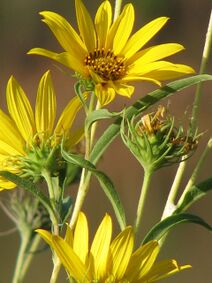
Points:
[(86, 26), (67, 117), (142, 261), (75, 137), (170, 72), (69, 238), (104, 93), (45, 109), (121, 251), (103, 21), (20, 109), (80, 244), (142, 36), (162, 270), (6, 185), (100, 248), (64, 58), (67, 256), (65, 34), (11, 142), (141, 69), (124, 28), (155, 53), (124, 90), (138, 78)]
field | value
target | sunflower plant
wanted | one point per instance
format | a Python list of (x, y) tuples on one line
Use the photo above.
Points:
[(43, 154)]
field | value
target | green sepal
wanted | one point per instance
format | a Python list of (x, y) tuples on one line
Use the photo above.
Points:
[(161, 228), (141, 105), (97, 115), (105, 183), (30, 187), (195, 193)]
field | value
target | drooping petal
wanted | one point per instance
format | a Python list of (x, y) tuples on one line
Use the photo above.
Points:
[(20, 109), (104, 93), (155, 53), (100, 247), (45, 109), (103, 21), (65, 34), (142, 261), (162, 270), (69, 259), (139, 78), (11, 142), (64, 58), (124, 28), (75, 137), (80, 244), (121, 251), (69, 237), (6, 185), (170, 72), (123, 89), (67, 117), (86, 26), (142, 68), (142, 36)]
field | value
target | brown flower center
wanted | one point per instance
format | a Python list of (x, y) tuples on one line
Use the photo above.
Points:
[(106, 64)]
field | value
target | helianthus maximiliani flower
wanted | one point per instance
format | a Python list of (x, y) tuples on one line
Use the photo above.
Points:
[(107, 54), (155, 141), (107, 261), (27, 139)]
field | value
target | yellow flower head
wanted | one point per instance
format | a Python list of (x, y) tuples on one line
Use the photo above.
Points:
[(27, 138), (106, 261), (106, 52)]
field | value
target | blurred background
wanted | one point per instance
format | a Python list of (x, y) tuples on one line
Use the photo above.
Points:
[(20, 30)]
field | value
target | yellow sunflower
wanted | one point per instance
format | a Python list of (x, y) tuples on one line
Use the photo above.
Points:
[(106, 52), (25, 135), (106, 261)]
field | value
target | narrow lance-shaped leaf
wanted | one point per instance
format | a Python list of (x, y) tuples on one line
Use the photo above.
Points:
[(195, 193), (104, 181), (163, 227), (139, 106)]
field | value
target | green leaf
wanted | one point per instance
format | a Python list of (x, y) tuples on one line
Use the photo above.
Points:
[(163, 227), (138, 107), (105, 183), (195, 193), (28, 186), (97, 115)]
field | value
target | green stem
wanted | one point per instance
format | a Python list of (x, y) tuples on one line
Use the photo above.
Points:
[(117, 9), (195, 173), (205, 59), (170, 203), (17, 276), (29, 256), (142, 199)]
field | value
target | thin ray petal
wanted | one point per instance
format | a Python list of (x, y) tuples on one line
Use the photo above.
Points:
[(121, 251), (45, 109), (65, 34), (100, 247), (105, 94), (124, 28), (86, 26), (142, 36), (80, 244), (103, 21), (20, 109)]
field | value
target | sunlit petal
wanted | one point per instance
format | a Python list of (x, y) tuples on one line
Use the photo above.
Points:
[(45, 109), (86, 26), (100, 247), (103, 21), (20, 109), (105, 94)]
